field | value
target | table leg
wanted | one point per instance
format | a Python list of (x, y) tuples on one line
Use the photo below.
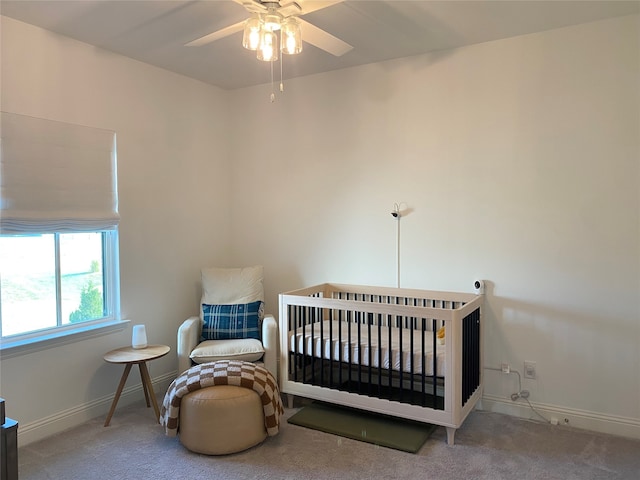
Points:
[(146, 378), (144, 385), (123, 380)]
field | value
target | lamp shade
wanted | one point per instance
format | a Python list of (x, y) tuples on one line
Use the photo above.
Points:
[(251, 34), (290, 37), (272, 20), (268, 49)]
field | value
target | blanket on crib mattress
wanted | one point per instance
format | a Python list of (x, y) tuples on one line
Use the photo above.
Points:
[(330, 340), (224, 372)]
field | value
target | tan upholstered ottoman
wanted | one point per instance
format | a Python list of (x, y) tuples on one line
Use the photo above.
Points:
[(221, 419)]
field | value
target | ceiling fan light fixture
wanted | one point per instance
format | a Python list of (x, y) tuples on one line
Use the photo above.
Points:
[(251, 34), (272, 20), (291, 37), (268, 49)]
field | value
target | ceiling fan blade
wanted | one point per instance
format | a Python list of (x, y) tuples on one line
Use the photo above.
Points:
[(323, 40), (309, 6), (301, 7), (253, 6), (212, 37)]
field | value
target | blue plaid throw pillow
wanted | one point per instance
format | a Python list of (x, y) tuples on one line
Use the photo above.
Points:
[(223, 322)]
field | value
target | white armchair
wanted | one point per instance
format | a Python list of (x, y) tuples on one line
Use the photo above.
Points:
[(231, 311)]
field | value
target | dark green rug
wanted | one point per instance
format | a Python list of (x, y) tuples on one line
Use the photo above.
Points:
[(383, 430)]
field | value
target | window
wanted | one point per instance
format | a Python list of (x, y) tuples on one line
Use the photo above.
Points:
[(56, 280), (58, 229)]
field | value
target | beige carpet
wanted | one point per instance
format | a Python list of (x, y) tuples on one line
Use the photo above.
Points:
[(488, 446)]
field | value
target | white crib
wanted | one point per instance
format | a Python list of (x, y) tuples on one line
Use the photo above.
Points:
[(376, 348)]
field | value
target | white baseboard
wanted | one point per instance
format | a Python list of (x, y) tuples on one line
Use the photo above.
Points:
[(597, 422), (72, 417)]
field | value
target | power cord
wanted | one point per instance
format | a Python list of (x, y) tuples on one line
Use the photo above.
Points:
[(536, 412), (524, 394)]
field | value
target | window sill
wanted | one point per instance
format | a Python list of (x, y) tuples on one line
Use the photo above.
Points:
[(24, 346)]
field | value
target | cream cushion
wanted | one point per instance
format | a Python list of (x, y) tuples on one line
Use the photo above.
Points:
[(231, 286), (221, 419), (246, 349)]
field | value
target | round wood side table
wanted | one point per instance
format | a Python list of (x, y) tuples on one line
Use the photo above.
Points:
[(130, 356)]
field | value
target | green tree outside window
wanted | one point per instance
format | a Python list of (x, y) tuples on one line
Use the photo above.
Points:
[(90, 304)]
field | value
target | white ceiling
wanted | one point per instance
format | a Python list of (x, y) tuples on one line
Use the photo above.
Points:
[(155, 31)]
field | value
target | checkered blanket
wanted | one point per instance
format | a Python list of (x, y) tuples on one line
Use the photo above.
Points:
[(224, 372)]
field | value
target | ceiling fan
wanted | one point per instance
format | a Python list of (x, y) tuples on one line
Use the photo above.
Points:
[(284, 9)]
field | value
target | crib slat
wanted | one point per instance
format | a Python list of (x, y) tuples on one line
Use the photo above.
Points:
[(379, 352), (411, 349), (401, 353), (331, 356), (350, 346), (370, 373), (359, 347), (304, 343), (340, 355), (390, 352), (293, 318), (423, 382), (434, 361), (312, 321)]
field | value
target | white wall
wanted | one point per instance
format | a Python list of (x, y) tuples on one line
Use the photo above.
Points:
[(173, 195), (519, 160)]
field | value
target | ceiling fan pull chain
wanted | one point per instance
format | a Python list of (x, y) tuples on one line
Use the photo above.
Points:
[(273, 95), (281, 82), (281, 62)]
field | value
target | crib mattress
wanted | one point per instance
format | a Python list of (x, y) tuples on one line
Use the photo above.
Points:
[(371, 350)]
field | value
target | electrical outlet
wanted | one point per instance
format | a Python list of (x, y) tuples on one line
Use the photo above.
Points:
[(505, 368), (529, 369)]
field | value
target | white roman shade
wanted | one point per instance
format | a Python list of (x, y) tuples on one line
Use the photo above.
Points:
[(56, 177)]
